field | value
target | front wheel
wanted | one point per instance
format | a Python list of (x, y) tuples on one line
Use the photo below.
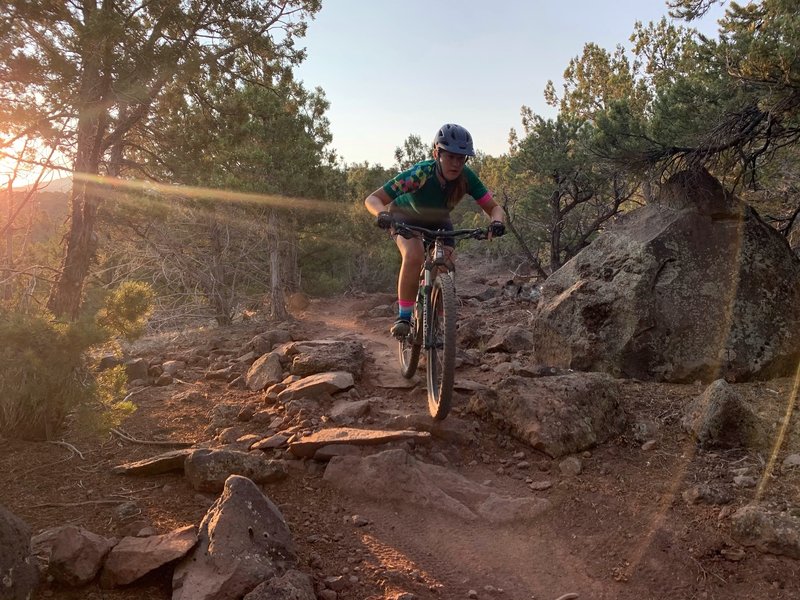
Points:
[(440, 345), (410, 346)]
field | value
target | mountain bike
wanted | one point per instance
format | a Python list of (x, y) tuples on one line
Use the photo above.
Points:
[(433, 321)]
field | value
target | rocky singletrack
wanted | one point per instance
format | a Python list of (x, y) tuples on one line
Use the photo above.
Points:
[(470, 511)]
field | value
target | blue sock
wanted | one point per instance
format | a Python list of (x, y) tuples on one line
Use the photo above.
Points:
[(406, 307)]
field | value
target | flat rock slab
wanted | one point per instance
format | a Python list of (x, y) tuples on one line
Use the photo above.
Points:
[(317, 386), (163, 463), (274, 441), (467, 385), (396, 476), (207, 470), (134, 557), (307, 446)]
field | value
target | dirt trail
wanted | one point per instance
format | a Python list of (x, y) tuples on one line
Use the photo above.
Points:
[(525, 562)]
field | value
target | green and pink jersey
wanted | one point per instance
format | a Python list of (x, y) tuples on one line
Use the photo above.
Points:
[(417, 191)]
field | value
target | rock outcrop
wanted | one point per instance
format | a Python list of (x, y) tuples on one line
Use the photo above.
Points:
[(693, 286), (243, 541), (557, 415)]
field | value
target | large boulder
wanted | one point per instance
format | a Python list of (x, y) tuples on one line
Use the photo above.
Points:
[(693, 286), (319, 356), (243, 541), (767, 529), (18, 572), (557, 415), (720, 418)]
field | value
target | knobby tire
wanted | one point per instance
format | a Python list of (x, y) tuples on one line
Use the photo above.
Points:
[(441, 361)]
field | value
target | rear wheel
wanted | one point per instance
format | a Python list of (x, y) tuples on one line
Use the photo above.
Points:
[(441, 346), (410, 346)]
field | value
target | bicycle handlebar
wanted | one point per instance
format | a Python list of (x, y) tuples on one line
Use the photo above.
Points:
[(481, 233)]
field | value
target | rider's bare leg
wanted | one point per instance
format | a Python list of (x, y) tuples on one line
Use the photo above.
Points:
[(413, 256)]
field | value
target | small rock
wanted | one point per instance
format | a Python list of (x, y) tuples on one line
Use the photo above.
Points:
[(645, 430), (744, 481), (246, 413), (733, 554), (274, 441), (336, 584), (189, 396), (539, 486), (164, 379), (126, 510), (472, 594), (359, 521), (571, 466), (790, 463), (707, 494), (649, 445)]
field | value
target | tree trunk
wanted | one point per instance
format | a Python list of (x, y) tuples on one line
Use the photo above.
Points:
[(289, 269), (556, 227), (65, 296), (9, 253), (277, 301), (220, 293)]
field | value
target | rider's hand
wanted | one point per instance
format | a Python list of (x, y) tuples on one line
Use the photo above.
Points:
[(384, 220), (497, 228)]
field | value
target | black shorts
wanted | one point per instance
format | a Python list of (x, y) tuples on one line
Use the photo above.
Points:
[(403, 217)]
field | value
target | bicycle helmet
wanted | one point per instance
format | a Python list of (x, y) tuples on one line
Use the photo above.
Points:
[(454, 139)]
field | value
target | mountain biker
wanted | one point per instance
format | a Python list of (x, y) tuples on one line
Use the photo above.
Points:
[(424, 196)]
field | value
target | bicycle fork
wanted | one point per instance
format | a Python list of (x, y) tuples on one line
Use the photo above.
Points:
[(430, 268)]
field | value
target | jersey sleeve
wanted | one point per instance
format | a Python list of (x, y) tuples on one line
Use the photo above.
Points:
[(407, 181), (475, 187)]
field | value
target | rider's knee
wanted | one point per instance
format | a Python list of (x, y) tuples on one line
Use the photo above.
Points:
[(414, 256)]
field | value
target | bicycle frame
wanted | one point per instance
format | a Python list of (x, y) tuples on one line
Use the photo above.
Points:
[(430, 269), (435, 291)]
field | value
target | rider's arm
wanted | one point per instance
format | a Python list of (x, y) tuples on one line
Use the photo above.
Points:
[(483, 197), (377, 201), (494, 210)]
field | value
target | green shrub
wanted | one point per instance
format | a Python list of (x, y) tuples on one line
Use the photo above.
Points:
[(108, 405), (45, 373), (127, 309)]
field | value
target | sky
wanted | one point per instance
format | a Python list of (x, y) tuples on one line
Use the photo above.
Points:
[(392, 69)]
